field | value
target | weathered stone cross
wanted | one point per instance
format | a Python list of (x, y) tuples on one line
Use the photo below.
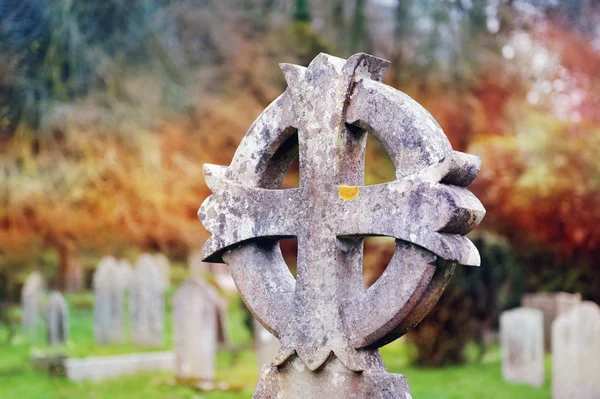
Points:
[(329, 326)]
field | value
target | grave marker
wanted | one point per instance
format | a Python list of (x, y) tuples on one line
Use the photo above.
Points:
[(125, 273), (329, 327), (57, 319), (522, 340), (109, 292), (199, 315), (146, 303), (164, 267), (552, 304), (31, 300), (576, 353)]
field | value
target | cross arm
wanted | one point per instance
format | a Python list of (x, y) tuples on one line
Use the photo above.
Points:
[(235, 213), (432, 216)]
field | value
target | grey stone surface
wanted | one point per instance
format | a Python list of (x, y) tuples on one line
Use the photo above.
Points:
[(146, 303), (57, 319), (552, 304), (199, 316), (164, 266), (329, 327), (576, 353), (105, 367), (125, 273), (522, 340), (109, 294), (266, 345), (32, 296), (332, 381)]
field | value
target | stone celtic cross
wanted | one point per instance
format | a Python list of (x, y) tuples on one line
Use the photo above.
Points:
[(328, 325)]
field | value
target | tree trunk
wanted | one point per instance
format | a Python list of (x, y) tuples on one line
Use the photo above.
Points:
[(70, 277)]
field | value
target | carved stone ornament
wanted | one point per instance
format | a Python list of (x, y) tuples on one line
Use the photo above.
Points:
[(330, 328)]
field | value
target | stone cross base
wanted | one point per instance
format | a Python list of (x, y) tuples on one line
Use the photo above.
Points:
[(293, 380)]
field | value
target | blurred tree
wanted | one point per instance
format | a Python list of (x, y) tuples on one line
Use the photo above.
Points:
[(541, 189)]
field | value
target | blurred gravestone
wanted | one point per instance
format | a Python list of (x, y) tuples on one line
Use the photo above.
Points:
[(164, 267), (125, 273), (31, 298), (109, 292), (522, 340), (552, 305), (57, 319), (266, 345), (576, 353), (146, 303), (330, 328), (199, 315)]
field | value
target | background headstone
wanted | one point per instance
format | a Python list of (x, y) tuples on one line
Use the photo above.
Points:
[(576, 353), (198, 326), (125, 273), (164, 267), (146, 303), (266, 345), (552, 304), (57, 319), (31, 299), (522, 340), (109, 290)]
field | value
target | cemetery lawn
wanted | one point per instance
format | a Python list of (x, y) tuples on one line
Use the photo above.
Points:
[(19, 380)]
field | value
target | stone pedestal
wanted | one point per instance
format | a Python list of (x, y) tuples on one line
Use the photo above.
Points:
[(293, 380)]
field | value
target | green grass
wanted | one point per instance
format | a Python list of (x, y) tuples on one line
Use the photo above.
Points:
[(19, 380)]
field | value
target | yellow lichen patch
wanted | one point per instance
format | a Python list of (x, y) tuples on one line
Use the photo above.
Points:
[(348, 192)]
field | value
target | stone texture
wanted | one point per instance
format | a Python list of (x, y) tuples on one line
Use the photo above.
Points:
[(329, 327), (31, 300), (109, 293), (146, 303), (266, 345), (576, 353), (57, 319), (522, 340), (552, 305), (105, 367), (164, 266), (333, 381), (199, 316)]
